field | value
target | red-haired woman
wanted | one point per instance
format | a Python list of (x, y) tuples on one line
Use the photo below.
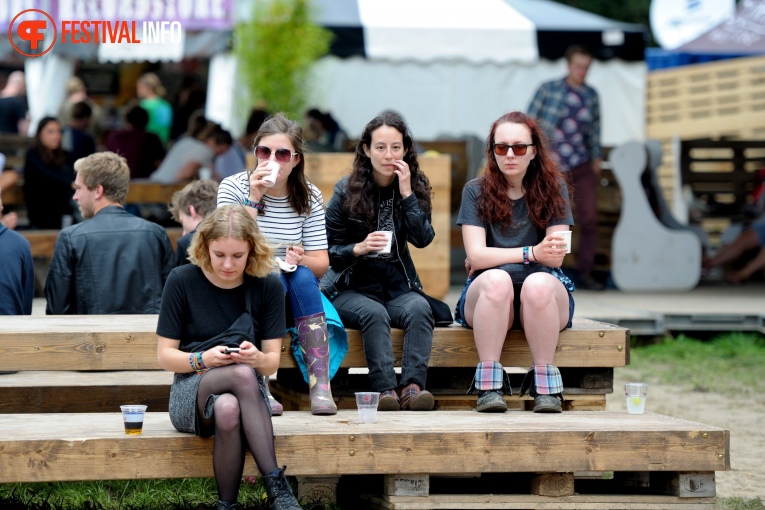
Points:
[(511, 218)]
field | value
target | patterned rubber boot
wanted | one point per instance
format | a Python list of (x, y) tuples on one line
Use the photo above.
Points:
[(314, 342), (545, 384), (276, 408), (279, 492)]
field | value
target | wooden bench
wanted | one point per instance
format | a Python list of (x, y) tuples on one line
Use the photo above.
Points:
[(538, 459), (569, 461), (47, 352), (42, 242), (140, 192)]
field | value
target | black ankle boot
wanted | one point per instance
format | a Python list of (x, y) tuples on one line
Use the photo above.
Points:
[(279, 492), (223, 505)]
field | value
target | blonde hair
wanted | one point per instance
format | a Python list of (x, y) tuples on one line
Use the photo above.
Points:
[(201, 194), (232, 221), (151, 80), (108, 169)]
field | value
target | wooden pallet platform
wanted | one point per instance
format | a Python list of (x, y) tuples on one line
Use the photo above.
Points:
[(93, 446)]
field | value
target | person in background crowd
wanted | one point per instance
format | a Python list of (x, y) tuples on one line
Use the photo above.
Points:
[(234, 160), (510, 220), (17, 272), (8, 179), (48, 178), (751, 238), (324, 134), (75, 137), (189, 207), (150, 90), (227, 296), (290, 214), (113, 262), (568, 110), (13, 105), (189, 155), (372, 291), (191, 99), (142, 150), (76, 92)]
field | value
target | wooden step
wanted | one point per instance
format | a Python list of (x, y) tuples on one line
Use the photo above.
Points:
[(93, 446)]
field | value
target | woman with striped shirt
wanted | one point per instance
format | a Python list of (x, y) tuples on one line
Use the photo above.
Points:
[(290, 214)]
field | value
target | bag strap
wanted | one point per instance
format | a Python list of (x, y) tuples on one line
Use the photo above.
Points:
[(248, 295)]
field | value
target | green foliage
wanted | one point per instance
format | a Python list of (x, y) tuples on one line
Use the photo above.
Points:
[(733, 358), (276, 50), (628, 11)]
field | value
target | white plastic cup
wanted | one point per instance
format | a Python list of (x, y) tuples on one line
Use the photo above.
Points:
[(366, 402), (636, 394), (389, 237), (132, 416), (273, 167), (566, 234)]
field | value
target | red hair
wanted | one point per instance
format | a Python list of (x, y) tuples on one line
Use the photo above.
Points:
[(542, 181)]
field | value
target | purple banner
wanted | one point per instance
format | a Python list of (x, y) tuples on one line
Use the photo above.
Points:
[(10, 8), (192, 14)]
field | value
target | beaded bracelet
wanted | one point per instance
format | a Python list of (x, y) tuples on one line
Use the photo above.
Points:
[(256, 205), (525, 255)]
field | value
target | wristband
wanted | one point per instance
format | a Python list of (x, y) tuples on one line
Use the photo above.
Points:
[(256, 205), (525, 255), (532, 254)]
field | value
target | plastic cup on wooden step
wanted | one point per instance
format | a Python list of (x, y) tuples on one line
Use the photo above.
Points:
[(636, 394), (366, 402), (132, 416)]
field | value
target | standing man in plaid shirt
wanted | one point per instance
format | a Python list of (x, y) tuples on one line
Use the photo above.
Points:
[(568, 110)]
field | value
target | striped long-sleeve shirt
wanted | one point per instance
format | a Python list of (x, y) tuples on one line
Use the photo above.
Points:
[(279, 222)]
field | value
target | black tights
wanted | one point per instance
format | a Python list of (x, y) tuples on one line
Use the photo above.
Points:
[(241, 419)]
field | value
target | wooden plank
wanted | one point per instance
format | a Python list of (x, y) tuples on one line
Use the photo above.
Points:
[(60, 447), (140, 192), (524, 502), (128, 342), (83, 392), (42, 242)]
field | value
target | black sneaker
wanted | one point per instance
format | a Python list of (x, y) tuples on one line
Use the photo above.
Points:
[(547, 404), (491, 401)]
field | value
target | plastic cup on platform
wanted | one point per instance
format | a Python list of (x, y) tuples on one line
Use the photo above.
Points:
[(566, 234), (389, 237), (636, 394), (132, 415), (270, 179), (366, 401)]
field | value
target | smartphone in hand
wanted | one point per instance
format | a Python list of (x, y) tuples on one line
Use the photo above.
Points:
[(229, 350)]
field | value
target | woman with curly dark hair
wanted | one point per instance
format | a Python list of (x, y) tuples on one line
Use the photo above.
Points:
[(511, 220), (374, 214)]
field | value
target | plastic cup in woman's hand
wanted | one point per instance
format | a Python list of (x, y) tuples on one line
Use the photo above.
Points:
[(273, 167)]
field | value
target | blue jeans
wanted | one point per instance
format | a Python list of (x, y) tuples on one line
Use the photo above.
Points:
[(410, 312), (302, 290)]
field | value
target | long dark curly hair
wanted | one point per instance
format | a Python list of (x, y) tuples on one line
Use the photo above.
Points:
[(360, 200), (297, 184), (542, 181)]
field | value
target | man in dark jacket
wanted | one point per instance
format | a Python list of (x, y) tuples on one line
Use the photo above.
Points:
[(114, 262)]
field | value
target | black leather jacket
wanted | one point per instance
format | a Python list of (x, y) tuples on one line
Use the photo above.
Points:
[(412, 225), (113, 263)]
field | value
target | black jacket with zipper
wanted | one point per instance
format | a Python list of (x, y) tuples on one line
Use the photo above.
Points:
[(411, 224)]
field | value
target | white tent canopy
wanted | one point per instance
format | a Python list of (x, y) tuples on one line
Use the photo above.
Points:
[(451, 67)]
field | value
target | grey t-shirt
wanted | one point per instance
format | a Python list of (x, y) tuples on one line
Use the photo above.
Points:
[(184, 151), (522, 231)]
